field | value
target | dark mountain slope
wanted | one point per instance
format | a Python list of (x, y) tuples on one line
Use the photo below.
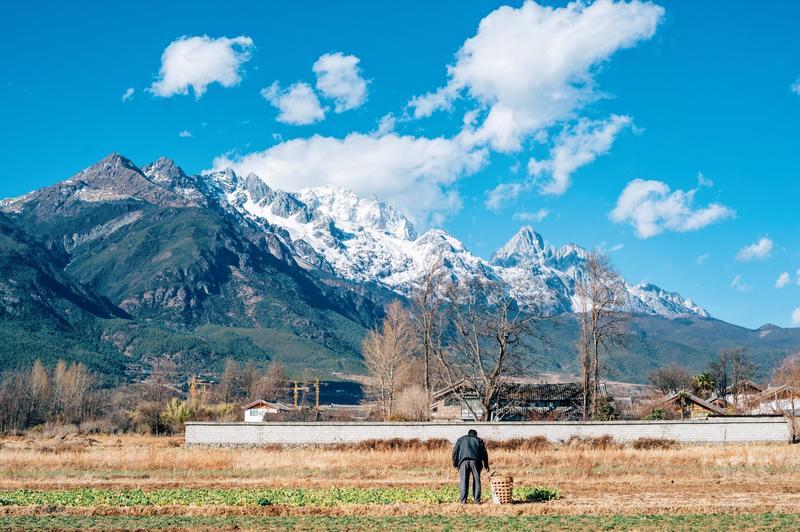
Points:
[(178, 259)]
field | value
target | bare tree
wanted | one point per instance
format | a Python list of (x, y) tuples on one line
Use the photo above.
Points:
[(428, 305), (387, 352), (730, 370), (787, 377), (600, 296), (73, 385), (270, 385), (161, 384), (490, 329), (40, 393), (230, 382), (671, 378)]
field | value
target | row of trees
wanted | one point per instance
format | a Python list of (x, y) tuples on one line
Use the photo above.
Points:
[(476, 338), (65, 394), (69, 394), (723, 376)]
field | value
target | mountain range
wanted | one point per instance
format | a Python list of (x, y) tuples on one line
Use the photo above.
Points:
[(119, 266)]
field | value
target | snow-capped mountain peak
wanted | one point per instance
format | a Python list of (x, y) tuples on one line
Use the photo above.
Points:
[(346, 207), (363, 239), (525, 246)]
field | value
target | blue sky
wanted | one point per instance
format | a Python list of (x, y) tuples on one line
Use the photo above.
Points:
[(599, 97)]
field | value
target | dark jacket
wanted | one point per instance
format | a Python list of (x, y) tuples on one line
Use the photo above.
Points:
[(470, 448)]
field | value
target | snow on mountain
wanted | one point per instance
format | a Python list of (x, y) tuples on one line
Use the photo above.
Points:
[(367, 240)]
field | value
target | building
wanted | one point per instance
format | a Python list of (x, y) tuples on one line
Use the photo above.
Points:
[(257, 410), (521, 401), (778, 400), (689, 405)]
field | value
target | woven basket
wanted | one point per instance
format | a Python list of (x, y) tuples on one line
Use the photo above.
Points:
[(502, 489)]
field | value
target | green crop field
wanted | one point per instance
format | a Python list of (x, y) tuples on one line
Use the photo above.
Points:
[(465, 522), (89, 497)]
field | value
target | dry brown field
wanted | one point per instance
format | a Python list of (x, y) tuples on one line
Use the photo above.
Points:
[(593, 479)]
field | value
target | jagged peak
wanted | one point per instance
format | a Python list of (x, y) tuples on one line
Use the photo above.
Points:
[(526, 245), (111, 167), (344, 205), (163, 170)]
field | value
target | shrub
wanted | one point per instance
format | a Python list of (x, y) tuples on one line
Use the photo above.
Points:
[(656, 414), (537, 443), (654, 443), (604, 410), (542, 494), (599, 442)]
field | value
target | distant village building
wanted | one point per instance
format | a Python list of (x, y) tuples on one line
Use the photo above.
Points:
[(520, 401), (778, 400), (689, 405), (257, 410)]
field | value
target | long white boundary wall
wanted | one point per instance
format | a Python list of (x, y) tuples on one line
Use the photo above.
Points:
[(713, 430)]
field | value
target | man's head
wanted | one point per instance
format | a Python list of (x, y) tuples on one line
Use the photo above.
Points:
[(472, 432)]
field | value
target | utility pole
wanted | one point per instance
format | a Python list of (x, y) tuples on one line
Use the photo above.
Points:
[(317, 393), (296, 391)]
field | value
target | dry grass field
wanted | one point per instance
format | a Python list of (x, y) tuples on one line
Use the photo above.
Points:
[(145, 482)]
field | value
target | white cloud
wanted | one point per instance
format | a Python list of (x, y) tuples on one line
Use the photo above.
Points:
[(197, 62), (298, 104), (703, 181), (574, 148), (616, 247), (502, 193), (536, 216), (530, 67), (759, 250), (701, 259), (185, 134), (339, 78), (651, 208), (739, 285), (796, 317), (413, 173), (783, 280), (795, 87), (385, 125), (128, 94)]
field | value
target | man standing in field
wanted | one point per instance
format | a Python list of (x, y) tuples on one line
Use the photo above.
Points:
[(469, 456)]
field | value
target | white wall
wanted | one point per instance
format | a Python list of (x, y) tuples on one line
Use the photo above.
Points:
[(712, 430)]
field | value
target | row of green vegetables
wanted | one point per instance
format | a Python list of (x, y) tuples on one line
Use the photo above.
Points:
[(87, 497)]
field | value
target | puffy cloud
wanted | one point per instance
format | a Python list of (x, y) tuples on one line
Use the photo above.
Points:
[(783, 280), (413, 173), (298, 104), (651, 208), (533, 66), (536, 216), (759, 250), (795, 87), (575, 148), (339, 78), (739, 285), (502, 193), (185, 134), (796, 317), (128, 94), (197, 62)]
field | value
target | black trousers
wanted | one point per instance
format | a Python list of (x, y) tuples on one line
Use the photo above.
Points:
[(465, 470)]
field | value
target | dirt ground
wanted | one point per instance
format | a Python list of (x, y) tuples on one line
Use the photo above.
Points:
[(696, 479)]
